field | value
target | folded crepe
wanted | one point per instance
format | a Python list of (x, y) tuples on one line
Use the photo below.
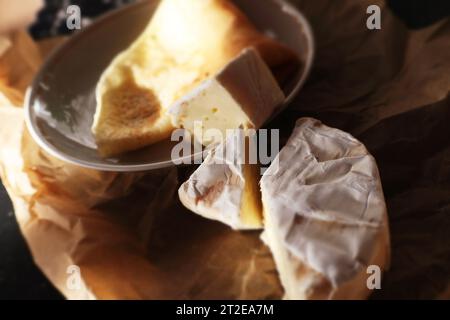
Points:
[(186, 42)]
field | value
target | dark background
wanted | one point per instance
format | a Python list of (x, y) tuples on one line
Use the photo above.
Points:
[(19, 277)]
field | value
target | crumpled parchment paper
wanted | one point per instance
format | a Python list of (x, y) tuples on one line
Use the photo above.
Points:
[(130, 237)]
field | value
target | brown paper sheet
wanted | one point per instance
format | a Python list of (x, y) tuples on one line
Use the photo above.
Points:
[(131, 238)]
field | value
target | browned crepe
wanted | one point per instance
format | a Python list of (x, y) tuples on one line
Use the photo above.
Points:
[(389, 88)]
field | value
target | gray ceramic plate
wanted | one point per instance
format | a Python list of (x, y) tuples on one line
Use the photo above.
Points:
[(60, 103)]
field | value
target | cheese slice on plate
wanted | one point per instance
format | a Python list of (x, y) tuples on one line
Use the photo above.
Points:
[(324, 213), (225, 186), (186, 42), (242, 95)]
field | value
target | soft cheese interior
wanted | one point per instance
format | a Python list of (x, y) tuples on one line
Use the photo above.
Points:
[(244, 94), (225, 186), (324, 213)]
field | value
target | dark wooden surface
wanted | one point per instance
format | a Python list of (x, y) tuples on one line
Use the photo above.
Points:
[(19, 277)]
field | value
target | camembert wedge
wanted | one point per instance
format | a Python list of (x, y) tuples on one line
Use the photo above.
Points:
[(225, 186), (186, 42), (244, 94), (324, 213)]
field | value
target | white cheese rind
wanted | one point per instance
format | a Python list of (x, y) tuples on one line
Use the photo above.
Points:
[(324, 213), (244, 94)]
